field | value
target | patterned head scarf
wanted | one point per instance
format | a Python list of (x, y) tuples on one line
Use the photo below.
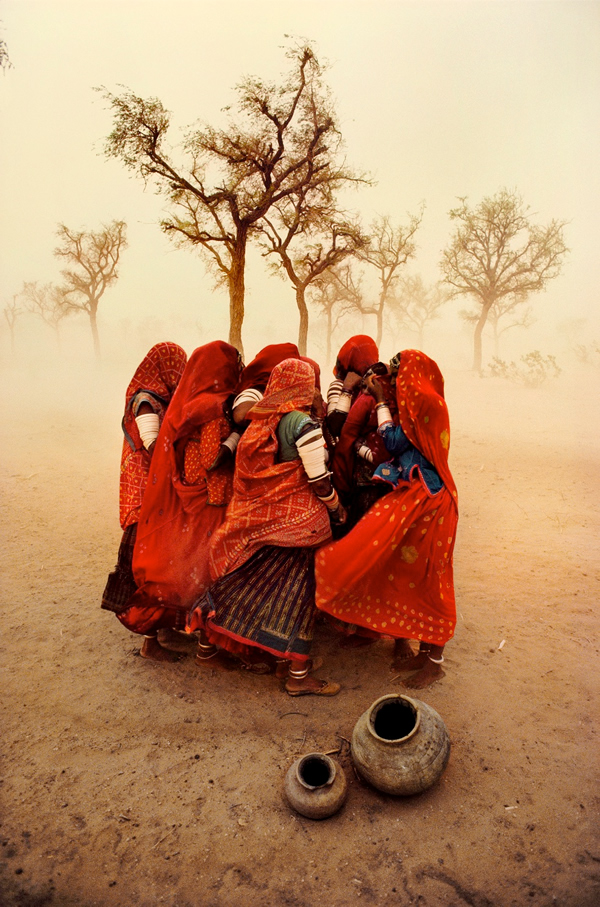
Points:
[(159, 372), (291, 386), (257, 372), (422, 410), (358, 354)]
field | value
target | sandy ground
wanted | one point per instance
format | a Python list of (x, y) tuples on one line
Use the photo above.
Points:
[(130, 783)]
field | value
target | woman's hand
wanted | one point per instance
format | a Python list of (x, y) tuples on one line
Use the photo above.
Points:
[(351, 381), (373, 387)]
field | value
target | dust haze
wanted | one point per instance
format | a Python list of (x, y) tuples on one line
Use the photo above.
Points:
[(128, 782)]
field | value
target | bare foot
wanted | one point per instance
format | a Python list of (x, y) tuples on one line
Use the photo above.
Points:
[(428, 674), (151, 648), (404, 657), (219, 660), (177, 641), (311, 686)]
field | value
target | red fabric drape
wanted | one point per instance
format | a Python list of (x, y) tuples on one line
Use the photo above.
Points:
[(358, 354), (170, 560), (272, 502), (158, 373), (393, 572), (257, 372)]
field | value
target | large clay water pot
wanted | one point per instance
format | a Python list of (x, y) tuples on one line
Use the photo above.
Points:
[(400, 745), (316, 786)]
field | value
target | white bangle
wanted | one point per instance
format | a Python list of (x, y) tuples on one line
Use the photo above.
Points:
[(383, 413), (436, 661), (148, 426), (232, 441)]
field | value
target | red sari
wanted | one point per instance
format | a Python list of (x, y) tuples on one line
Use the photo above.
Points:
[(392, 574), (272, 502), (262, 557), (358, 354), (170, 561), (257, 373), (156, 376)]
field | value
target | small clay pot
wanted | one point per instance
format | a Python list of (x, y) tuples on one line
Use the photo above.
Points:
[(315, 786), (400, 745)]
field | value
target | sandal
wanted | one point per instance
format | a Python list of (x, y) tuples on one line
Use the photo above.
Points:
[(327, 688)]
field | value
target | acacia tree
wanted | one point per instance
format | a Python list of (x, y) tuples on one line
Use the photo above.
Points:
[(309, 241), (335, 291), (12, 310), (388, 251), (92, 257), (509, 311), (497, 253), (416, 304), (48, 303), (282, 140)]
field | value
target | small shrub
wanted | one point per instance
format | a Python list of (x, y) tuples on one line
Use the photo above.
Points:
[(534, 371), (588, 355)]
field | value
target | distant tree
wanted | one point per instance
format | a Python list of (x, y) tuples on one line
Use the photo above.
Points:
[(309, 241), (416, 304), (282, 141), (12, 310), (497, 253), (92, 258), (388, 251), (337, 294), (4, 58), (48, 303), (509, 311)]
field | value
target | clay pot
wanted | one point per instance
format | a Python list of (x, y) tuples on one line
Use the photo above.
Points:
[(315, 786), (400, 745)]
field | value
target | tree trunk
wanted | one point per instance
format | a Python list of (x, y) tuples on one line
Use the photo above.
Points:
[(477, 336), (329, 333), (95, 335), (379, 325), (237, 290), (303, 326)]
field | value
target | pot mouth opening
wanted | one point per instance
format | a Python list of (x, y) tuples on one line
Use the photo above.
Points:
[(394, 719), (316, 770)]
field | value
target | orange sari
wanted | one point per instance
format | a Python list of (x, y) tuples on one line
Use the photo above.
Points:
[(393, 574), (177, 519)]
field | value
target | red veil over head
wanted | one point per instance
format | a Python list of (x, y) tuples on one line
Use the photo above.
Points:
[(170, 561), (393, 573), (257, 372), (358, 354), (158, 375), (272, 502)]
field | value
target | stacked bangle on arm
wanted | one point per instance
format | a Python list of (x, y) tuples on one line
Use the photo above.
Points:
[(383, 414)]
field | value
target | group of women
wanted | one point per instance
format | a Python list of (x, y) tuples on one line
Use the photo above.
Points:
[(249, 506)]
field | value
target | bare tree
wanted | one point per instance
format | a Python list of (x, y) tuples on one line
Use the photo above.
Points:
[(509, 311), (48, 303), (497, 253), (309, 241), (92, 258), (416, 304), (388, 251), (337, 294), (12, 310), (283, 138)]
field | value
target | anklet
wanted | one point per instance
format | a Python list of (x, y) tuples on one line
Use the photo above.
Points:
[(436, 661), (300, 674)]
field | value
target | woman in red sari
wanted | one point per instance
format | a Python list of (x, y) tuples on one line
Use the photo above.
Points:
[(262, 558), (392, 575), (146, 400), (186, 497)]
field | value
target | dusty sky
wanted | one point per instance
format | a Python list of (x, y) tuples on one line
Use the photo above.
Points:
[(436, 99)]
